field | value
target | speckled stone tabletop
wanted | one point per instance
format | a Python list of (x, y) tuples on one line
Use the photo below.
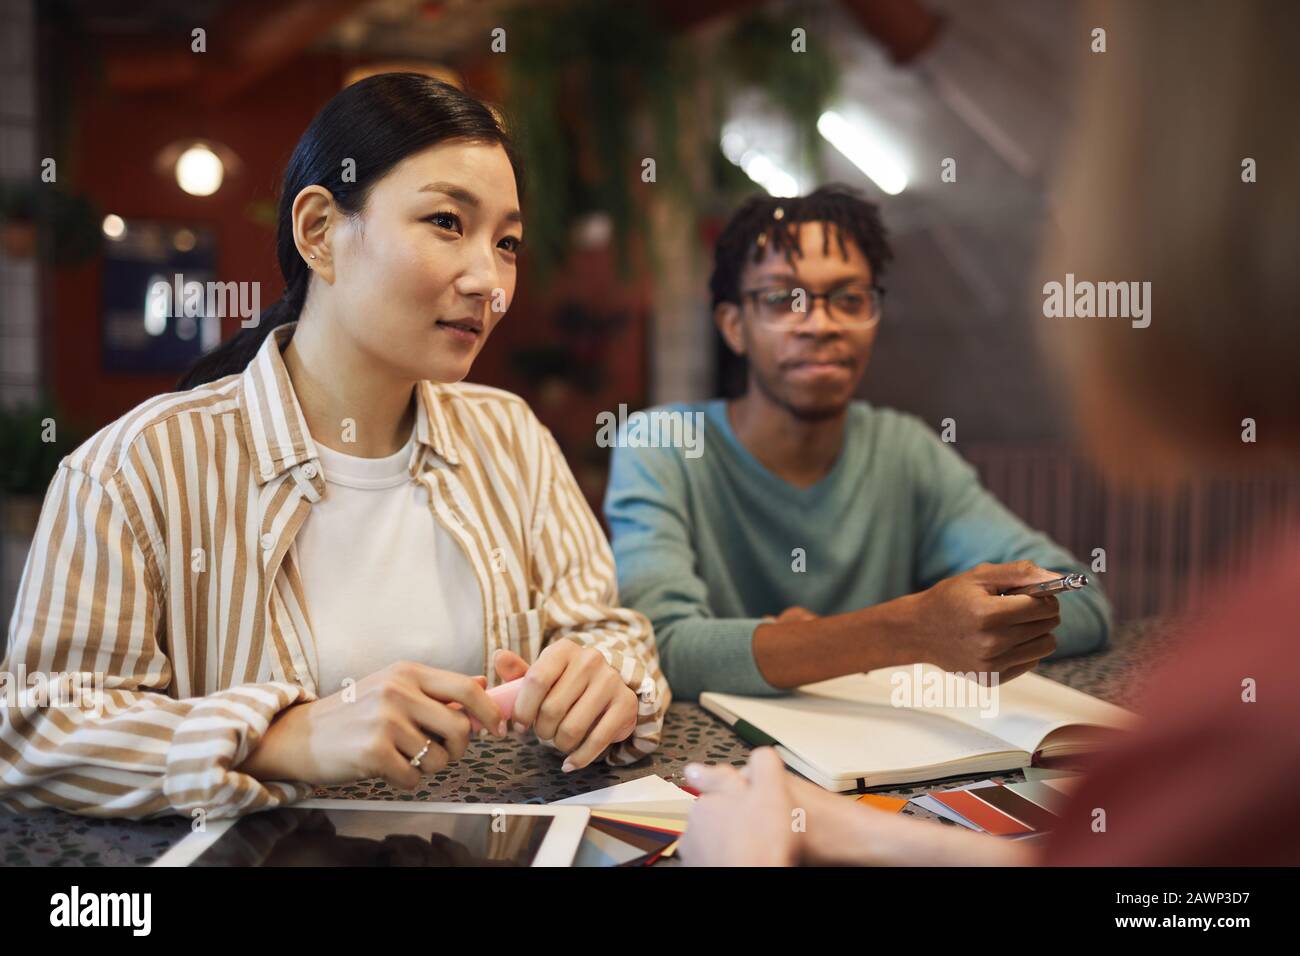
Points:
[(523, 771)]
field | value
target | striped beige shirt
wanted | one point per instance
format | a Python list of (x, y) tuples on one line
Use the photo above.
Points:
[(164, 561)]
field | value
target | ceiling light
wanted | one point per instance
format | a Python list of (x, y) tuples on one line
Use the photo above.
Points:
[(199, 171), (870, 154)]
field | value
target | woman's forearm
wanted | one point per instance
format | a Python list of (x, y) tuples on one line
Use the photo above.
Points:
[(878, 839), (270, 759)]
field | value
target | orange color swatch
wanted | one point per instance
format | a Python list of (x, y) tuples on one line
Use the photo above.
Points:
[(883, 801)]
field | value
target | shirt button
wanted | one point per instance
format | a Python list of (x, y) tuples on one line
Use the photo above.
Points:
[(268, 542), (267, 470), (309, 470)]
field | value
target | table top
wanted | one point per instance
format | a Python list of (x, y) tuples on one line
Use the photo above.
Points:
[(521, 770)]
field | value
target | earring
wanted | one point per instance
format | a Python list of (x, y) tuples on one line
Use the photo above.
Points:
[(313, 255)]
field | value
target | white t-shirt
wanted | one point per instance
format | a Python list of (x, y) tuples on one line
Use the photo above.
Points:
[(384, 580)]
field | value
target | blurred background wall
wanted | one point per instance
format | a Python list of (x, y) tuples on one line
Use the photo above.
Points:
[(612, 306)]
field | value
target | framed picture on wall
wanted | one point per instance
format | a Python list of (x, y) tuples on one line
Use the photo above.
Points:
[(161, 306)]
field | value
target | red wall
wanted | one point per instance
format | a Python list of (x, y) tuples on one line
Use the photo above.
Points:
[(117, 140)]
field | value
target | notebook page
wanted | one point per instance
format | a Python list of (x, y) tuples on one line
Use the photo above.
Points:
[(846, 728), (1021, 712)]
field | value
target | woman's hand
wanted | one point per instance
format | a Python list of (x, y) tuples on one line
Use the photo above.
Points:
[(374, 728), (748, 818), (572, 699), (742, 818), (735, 823)]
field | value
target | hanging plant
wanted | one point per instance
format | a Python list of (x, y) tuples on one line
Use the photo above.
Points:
[(592, 90), (801, 85), (30, 451), (18, 219), (577, 81), (44, 217), (75, 225)]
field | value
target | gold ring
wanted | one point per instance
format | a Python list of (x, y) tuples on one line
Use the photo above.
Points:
[(415, 761)]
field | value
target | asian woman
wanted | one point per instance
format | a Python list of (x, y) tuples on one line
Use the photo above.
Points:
[(304, 568)]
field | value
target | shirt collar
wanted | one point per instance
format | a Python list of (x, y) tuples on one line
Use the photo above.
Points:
[(432, 427), (276, 431)]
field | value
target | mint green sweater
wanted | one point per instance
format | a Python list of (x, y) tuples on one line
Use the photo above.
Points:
[(707, 545)]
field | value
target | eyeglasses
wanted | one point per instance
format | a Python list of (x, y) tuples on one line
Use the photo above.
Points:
[(784, 307)]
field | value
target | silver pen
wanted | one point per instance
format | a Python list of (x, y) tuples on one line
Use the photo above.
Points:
[(1070, 582)]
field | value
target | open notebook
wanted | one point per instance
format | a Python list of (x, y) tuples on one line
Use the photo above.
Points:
[(847, 734)]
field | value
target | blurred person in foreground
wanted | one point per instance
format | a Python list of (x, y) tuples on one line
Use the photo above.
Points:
[(1153, 190)]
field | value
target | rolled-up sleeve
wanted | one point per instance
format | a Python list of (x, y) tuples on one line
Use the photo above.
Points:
[(86, 721), (962, 524), (573, 568)]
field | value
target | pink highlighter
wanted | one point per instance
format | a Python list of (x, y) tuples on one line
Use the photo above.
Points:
[(504, 695)]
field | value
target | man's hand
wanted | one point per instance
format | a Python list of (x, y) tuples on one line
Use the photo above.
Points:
[(964, 624), (791, 614)]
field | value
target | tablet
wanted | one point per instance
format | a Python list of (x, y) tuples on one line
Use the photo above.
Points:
[(387, 833)]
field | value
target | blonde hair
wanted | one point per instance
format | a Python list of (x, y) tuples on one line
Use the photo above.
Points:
[(1152, 190)]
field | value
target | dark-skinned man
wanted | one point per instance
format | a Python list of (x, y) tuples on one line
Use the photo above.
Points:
[(814, 535)]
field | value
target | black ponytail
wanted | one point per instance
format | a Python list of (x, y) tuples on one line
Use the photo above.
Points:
[(376, 122), (234, 355)]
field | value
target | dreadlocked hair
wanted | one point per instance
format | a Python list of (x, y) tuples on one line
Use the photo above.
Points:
[(771, 222)]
